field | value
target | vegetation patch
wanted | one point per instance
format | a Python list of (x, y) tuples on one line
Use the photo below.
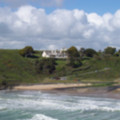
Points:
[(84, 65)]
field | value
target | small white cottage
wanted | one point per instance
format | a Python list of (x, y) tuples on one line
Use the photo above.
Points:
[(60, 54)]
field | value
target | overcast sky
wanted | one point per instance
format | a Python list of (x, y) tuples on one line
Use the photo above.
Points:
[(54, 24)]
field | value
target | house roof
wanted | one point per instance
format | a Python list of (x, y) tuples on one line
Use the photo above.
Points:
[(55, 53), (48, 52)]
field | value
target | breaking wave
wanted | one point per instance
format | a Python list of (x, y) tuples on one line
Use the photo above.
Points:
[(43, 106), (64, 105), (42, 117)]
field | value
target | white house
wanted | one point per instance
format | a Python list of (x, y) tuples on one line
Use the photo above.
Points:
[(60, 54)]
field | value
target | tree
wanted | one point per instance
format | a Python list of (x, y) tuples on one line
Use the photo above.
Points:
[(110, 50), (82, 52), (45, 65), (73, 52), (90, 52), (27, 51), (74, 57), (117, 53)]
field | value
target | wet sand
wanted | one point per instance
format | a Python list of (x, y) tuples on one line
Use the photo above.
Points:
[(101, 92)]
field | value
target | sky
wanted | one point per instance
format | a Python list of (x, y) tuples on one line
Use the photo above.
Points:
[(56, 24)]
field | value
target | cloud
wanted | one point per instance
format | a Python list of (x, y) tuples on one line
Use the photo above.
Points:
[(44, 3), (62, 28)]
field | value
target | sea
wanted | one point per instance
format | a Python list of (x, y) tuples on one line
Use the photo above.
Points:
[(36, 105)]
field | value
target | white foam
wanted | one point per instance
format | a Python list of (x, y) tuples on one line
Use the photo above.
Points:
[(42, 117), (49, 104), (83, 105), (41, 101), (25, 96), (2, 108)]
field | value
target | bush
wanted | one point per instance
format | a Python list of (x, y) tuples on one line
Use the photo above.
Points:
[(110, 50), (27, 51), (90, 52), (74, 57), (46, 65), (73, 52)]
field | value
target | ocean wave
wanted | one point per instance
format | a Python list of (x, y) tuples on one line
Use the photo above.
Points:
[(2, 108), (84, 105), (41, 101), (25, 96), (42, 117)]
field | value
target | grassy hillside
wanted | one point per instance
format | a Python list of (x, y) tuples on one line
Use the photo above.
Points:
[(92, 70), (106, 69), (14, 68), (17, 69)]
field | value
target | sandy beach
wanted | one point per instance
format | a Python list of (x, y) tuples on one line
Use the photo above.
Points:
[(49, 86), (80, 89)]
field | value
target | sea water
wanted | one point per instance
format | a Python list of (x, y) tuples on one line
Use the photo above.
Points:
[(35, 105)]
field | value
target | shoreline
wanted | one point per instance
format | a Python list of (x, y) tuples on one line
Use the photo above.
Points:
[(51, 86), (80, 89)]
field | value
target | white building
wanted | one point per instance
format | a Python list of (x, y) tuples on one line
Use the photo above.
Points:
[(60, 54)]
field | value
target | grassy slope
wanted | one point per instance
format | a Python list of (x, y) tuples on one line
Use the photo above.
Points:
[(16, 69), (100, 71), (107, 69)]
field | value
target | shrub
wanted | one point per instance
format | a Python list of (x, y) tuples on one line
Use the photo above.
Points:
[(90, 52), (110, 50), (27, 51), (74, 57), (46, 65)]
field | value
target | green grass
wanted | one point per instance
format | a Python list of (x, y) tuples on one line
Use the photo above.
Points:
[(111, 72), (14, 68), (104, 70), (17, 69), (103, 84)]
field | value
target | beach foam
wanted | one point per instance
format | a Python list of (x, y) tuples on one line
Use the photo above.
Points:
[(2, 108), (41, 101), (42, 117), (42, 106), (64, 105)]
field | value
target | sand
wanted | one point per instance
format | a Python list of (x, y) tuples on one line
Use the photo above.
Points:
[(80, 89), (49, 86)]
